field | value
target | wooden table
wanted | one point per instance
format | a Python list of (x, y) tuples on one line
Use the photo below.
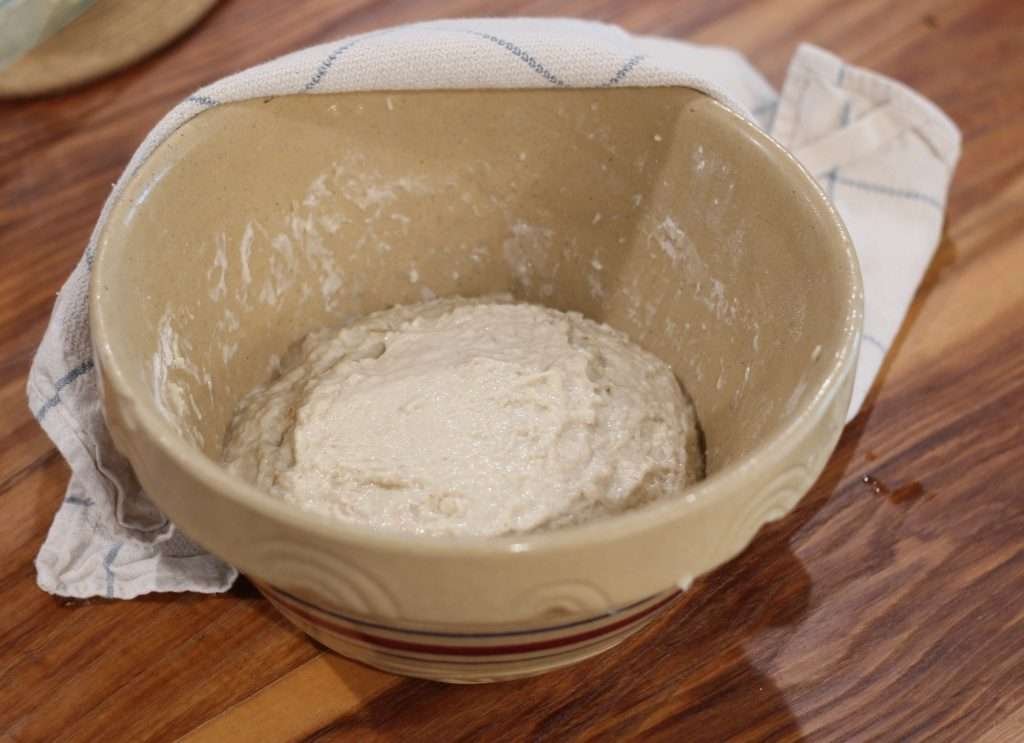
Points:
[(889, 606)]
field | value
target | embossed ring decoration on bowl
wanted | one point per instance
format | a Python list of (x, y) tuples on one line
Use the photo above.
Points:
[(657, 211)]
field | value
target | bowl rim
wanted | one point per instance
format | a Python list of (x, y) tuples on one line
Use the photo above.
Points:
[(618, 526)]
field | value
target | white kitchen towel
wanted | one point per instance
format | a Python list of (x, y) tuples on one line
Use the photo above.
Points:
[(883, 153)]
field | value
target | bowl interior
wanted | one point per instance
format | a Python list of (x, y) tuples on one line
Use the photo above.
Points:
[(655, 210)]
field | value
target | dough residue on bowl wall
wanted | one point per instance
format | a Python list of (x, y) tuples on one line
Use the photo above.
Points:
[(460, 416)]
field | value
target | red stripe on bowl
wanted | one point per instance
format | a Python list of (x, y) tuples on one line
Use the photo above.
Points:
[(464, 650)]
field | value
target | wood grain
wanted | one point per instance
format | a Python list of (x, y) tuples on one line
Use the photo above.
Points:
[(886, 608)]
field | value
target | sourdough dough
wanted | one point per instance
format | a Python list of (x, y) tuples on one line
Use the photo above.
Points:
[(457, 416)]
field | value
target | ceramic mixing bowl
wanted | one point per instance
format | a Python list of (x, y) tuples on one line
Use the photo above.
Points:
[(657, 211)]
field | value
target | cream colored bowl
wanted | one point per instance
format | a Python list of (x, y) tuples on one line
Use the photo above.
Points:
[(657, 211)]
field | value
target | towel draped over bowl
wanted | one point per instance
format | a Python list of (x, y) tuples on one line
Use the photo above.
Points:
[(882, 153)]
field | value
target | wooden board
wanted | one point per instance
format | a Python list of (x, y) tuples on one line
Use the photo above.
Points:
[(890, 608)]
